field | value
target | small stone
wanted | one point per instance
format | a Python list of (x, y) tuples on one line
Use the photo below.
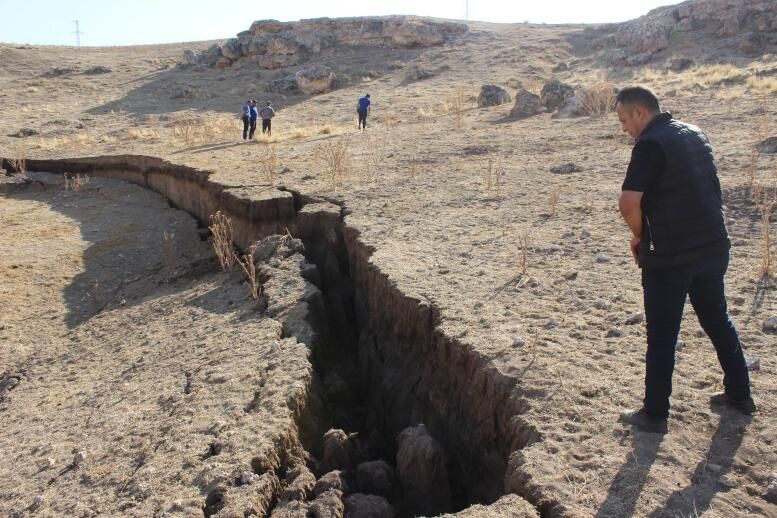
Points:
[(738, 300), (79, 458), (570, 276), (477, 305), (248, 477), (585, 234), (37, 501), (519, 342), (753, 363), (601, 257), (770, 325), (569, 167), (551, 323), (636, 318), (715, 468), (771, 489), (600, 303), (699, 333), (679, 346), (614, 333)]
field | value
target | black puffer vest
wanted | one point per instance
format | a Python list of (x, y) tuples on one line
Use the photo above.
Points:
[(682, 210)]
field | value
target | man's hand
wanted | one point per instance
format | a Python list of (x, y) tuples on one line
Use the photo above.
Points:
[(635, 248)]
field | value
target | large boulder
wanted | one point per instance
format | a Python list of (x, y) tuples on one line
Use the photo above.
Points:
[(231, 49), (526, 104), (317, 79), (421, 466), (190, 58), (767, 146), (554, 93), (416, 33), (493, 95)]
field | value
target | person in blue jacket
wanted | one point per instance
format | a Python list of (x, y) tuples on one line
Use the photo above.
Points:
[(253, 115), (246, 118), (363, 108)]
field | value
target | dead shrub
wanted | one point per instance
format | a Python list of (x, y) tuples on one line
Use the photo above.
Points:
[(336, 158), (523, 254), (752, 169), (598, 99), (377, 151), (18, 160), (221, 230), (249, 270), (76, 183)]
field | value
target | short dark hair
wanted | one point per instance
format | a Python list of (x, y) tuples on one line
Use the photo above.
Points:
[(638, 95)]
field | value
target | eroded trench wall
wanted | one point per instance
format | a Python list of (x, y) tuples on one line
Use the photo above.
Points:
[(414, 373)]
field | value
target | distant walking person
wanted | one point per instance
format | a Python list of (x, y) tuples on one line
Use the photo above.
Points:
[(267, 113), (246, 118), (363, 108), (252, 119)]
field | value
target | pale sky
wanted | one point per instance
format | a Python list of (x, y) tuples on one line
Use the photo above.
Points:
[(133, 22)]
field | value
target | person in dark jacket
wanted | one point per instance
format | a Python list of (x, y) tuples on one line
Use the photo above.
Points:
[(246, 118), (253, 114), (362, 110), (671, 201)]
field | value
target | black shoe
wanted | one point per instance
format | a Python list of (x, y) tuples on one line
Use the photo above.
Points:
[(643, 421), (747, 406)]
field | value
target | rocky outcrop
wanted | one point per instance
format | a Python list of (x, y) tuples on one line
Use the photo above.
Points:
[(750, 24), (493, 95), (554, 93), (272, 44)]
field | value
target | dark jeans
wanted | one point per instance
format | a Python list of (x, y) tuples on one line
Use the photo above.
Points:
[(245, 127), (362, 118), (665, 291), (253, 129), (267, 126)]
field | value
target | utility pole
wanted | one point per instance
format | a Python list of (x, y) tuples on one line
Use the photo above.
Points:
[(78, 34)]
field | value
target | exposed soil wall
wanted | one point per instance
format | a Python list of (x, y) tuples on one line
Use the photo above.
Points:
[(407, 370)]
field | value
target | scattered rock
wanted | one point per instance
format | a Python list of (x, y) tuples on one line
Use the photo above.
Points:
[(79, 458), (332, 480), (570, 276), (375, 477), (569, 167), (421, 466), (600, 303), (327, 505), (526, 104), (37, 501), (190, 58), (554, 93), (340, 450), (317, 79), (493, 95), (601, 257), (248, 477), (679, 346), (368, 506), (418, 73), (771, 489), (563, 66), (519, 342), (753, 363), (680, 64), (184, 93), (770, 325), (8, 382), (58, 72), (768, 146), (636, 318), (551, 323), (97, 70), (614, 333), (478, 150), (24, 132), (283, 85), (639, 59)]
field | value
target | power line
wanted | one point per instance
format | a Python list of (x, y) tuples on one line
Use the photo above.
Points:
[(78, 34)]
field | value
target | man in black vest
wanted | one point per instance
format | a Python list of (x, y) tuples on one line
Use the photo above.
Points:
[(672, 203)]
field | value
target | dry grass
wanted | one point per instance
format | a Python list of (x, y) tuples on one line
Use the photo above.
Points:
[(377, 151), (598, 99), (168, 253), (75, 183), (763, 84), (249, 270), (523, 253), (553, 199), (711, 75), (765, 200), (269, 165), (335, 156), (221, 229), (494, 173), (18, 159)]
